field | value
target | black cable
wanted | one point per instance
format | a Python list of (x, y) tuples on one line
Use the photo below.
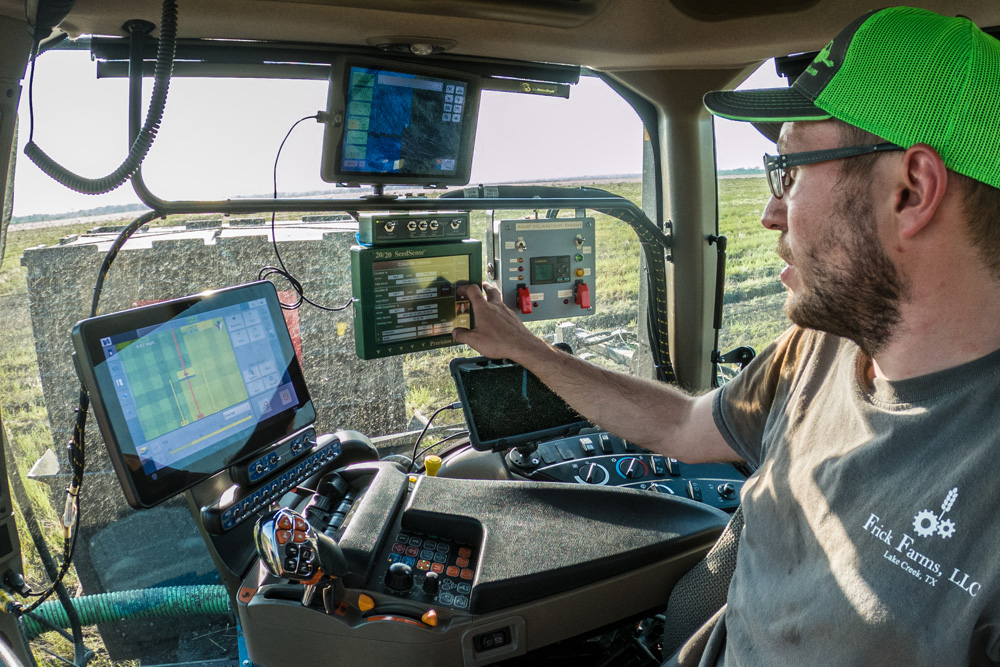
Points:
[(31, 92), (143, 141), (423, 451), (71, 524), (450, 406), (81, 653), (269, 271)]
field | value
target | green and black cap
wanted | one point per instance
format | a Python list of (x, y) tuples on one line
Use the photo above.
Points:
[(907, 75)]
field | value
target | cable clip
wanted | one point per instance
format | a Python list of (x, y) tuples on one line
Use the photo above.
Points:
[(70, 510)]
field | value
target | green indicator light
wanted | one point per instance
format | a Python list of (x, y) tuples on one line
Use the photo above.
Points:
[(579, 258)]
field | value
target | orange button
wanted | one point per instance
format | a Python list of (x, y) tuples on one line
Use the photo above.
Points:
[(299, 537), (246, 594), (300, 524), (462, 562), (437, 567), (365, 603), (465, 552), (452, 571), (467, 574), (285, 522), (430, 618), (283, 536)]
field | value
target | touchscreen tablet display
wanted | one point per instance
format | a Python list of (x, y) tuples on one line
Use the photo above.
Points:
[(185, 388)]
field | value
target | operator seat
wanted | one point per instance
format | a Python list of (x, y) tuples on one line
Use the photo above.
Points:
[(700, 596)]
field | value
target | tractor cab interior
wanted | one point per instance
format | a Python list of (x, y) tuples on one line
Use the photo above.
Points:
[(236, 427)]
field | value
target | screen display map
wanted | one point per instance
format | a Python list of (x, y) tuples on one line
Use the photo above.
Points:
[(398, 123), (197, 384), (415, 298)]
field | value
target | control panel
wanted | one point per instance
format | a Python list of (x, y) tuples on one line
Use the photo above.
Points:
[(248, 502), (544, 268), (428, 569), (396, 228), (277, 457), (603, 459)]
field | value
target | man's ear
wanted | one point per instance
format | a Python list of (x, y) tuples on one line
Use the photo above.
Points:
[(922, 180)]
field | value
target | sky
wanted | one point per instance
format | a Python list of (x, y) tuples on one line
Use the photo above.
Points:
[(219, 137)]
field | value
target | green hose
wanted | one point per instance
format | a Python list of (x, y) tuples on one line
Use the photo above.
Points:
[(123, 605)]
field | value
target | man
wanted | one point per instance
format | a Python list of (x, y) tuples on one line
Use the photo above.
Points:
[(869, 535)]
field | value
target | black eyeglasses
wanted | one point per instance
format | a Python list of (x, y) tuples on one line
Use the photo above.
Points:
[(776, 166)]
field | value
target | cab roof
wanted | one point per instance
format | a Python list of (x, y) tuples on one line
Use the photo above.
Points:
[(602, 34)]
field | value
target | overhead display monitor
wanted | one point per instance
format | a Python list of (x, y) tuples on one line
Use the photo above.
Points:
[(406, 297), (186, 388), (396, 123)]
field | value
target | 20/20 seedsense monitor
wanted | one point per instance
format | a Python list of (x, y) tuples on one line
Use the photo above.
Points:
[(186, 388), (406, 297)]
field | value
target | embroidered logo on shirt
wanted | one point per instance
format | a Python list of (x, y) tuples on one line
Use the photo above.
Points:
[(926, 522)]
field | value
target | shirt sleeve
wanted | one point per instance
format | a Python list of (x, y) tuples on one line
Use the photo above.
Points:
[(742, 406)]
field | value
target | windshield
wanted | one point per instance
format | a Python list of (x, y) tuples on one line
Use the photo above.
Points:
[(220, 140)]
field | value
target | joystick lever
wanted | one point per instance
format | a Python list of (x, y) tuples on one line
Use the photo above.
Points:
[(291, 548)]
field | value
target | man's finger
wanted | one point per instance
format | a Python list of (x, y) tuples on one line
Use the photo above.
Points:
[(469, 291), (492, 293)]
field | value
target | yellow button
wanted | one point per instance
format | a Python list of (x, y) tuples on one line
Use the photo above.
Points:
[(430, 618), (365, 603), (432, 464), (579, 272)]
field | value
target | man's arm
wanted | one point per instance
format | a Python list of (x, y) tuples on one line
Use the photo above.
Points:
[(650, 414)]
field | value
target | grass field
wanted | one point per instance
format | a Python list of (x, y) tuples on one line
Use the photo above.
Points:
[(753, 316)]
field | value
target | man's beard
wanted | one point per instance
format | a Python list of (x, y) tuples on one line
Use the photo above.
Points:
[(856, 295)]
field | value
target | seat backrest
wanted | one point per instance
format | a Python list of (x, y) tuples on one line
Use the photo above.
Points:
[(702, 591)]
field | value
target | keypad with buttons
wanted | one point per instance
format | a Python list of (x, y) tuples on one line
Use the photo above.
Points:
[(452, 562)]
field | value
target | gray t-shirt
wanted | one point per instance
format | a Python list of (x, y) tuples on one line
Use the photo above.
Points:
[(870, 534)]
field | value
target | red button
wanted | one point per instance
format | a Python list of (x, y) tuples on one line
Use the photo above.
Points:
[(283, 536), (299, 537), (437, 567), (285, 522), (412, 551), (523, 299), (467, 574), (465, 552), (452, 571), (583, 294), (300, 524), (462, 562), (398, 548), (423, 565)]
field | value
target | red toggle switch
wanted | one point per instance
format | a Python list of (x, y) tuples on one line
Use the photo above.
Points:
[(523, 299), (583, 294)]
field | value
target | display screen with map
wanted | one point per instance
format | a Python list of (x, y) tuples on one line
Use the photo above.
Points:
[(392, 123), (185, 388)]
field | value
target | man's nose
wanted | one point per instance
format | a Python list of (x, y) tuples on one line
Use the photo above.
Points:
[(775, 215)]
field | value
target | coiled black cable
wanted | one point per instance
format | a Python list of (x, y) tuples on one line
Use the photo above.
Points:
[(143, 142)]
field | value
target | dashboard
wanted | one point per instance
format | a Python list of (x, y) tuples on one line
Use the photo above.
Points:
[(604, 459), (443, 571)]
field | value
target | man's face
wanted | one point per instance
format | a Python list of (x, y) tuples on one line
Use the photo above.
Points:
[(839, 278)]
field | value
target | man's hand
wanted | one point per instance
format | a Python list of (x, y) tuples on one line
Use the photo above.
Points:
[(499, 333)]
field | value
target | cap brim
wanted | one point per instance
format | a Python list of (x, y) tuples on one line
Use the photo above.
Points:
[(769, 130), (766, 108)]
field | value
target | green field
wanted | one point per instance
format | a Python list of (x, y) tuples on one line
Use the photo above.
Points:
[(753, 316)]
